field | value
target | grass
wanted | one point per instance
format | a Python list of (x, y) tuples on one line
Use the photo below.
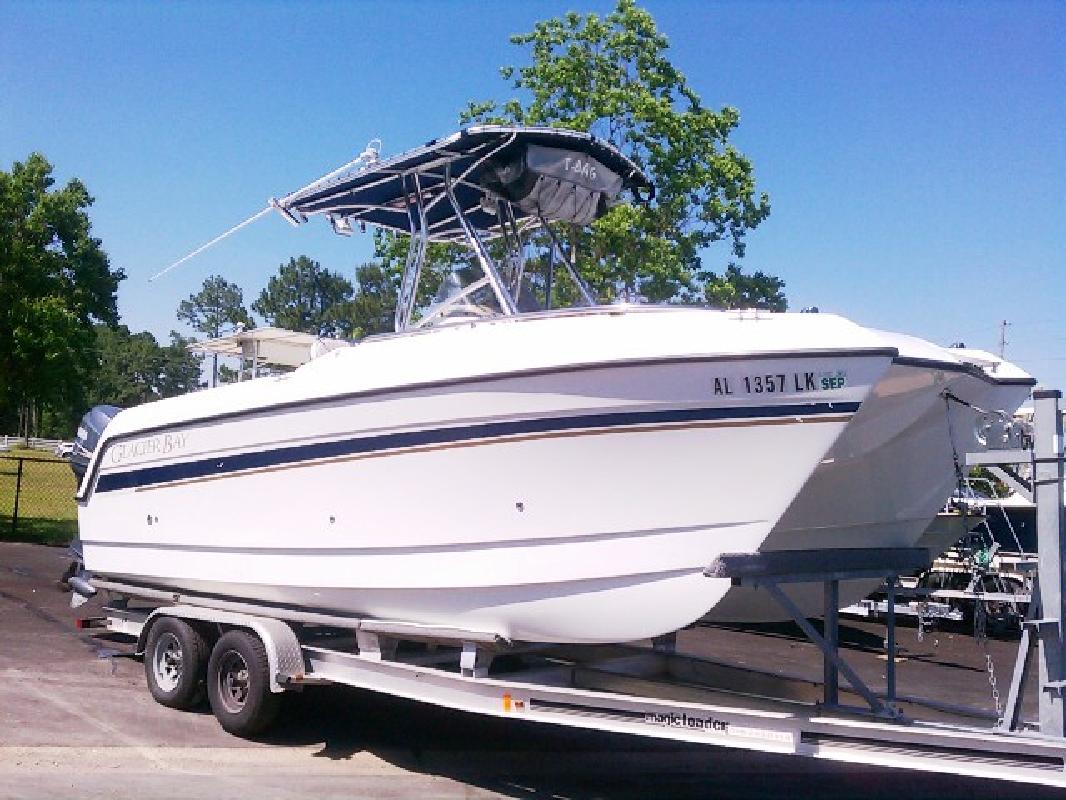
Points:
[(47, 513)]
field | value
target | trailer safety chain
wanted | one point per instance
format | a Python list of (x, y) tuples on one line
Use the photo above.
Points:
[(924, 622), (995, 688), (980, 612), (980, 635)]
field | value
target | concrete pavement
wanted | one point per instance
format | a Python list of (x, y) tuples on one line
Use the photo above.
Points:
[(77, 721)]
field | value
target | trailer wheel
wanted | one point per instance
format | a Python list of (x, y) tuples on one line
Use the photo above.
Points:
[(175, 661), (238, 684)]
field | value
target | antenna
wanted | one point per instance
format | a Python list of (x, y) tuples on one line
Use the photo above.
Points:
[(1003, 337), (214, 241), (367, 158)]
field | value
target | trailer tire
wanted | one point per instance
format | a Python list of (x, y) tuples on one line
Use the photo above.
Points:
[(175, 663), (238, 684)]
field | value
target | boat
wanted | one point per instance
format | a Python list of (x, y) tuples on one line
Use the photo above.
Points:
[(895, 467), (556, 476)]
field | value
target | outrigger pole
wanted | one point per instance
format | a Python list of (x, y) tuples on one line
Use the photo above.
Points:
[(367, 158)]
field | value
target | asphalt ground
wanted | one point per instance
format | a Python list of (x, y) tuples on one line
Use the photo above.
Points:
[(77, 721)]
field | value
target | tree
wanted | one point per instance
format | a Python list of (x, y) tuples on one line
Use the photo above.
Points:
[(127, 368), (373, 304), (219, 304), (305, 297), (132, 368), (372, 308), (180, 372), (734, 289), (227, 374), (611, 76), (55, 283)]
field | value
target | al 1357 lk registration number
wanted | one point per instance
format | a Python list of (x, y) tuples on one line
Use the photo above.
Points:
[(781, 382)]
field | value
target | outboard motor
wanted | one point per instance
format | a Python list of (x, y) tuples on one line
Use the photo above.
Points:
[(89, 431)]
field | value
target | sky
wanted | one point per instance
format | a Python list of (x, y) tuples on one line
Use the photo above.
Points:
[(914, 152)]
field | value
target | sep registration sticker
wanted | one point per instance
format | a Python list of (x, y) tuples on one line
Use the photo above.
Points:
[(832, 380)]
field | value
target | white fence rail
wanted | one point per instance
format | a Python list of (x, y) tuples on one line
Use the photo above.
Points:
[(33, 443)]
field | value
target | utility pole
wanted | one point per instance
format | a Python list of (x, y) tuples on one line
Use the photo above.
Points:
[(1003, 338)]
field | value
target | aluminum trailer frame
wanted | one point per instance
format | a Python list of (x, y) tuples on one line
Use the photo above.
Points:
[(930, 603), (903, 607), (643, 691), (1044, 630), (658, 693)]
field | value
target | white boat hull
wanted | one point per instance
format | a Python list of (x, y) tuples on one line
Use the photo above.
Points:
[(573, 505), (882, 483)]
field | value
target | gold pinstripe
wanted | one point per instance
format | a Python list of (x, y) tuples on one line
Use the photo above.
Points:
[(502, 439)]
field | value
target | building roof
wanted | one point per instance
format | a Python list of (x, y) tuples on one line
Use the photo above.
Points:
[(273, 346)]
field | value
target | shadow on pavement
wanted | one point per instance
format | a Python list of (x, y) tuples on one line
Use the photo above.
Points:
[(522, 759)]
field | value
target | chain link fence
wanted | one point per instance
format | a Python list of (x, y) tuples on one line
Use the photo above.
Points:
[(36, 499)]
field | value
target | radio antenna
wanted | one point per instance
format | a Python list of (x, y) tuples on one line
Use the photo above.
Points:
[(368, 157), (214, 241)]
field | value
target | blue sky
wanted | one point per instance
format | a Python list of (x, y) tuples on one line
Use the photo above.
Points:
[(914, 153)]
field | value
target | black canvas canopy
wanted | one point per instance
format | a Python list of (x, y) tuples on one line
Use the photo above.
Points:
[(535, 172)]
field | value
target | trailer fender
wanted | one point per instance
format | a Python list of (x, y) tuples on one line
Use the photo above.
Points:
[(283, 650)]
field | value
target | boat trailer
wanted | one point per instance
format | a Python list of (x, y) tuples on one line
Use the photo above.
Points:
[(261, 651)]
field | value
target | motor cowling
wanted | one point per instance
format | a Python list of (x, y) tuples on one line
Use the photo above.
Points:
[(90, 429)]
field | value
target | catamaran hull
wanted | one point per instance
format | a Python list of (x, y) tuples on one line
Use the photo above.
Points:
[(571, 505), (883, 482)]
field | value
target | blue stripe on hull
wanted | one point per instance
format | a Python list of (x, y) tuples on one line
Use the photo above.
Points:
[(211, 467)]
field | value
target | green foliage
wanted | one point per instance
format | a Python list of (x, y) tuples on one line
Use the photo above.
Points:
[(985, 483), (127, 370), (133, 368), (227, 374), (372, 308), (219, 304), (305, 297), (611, 76), (55, 283), (734, 289), (180, 373), (390, 252)]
